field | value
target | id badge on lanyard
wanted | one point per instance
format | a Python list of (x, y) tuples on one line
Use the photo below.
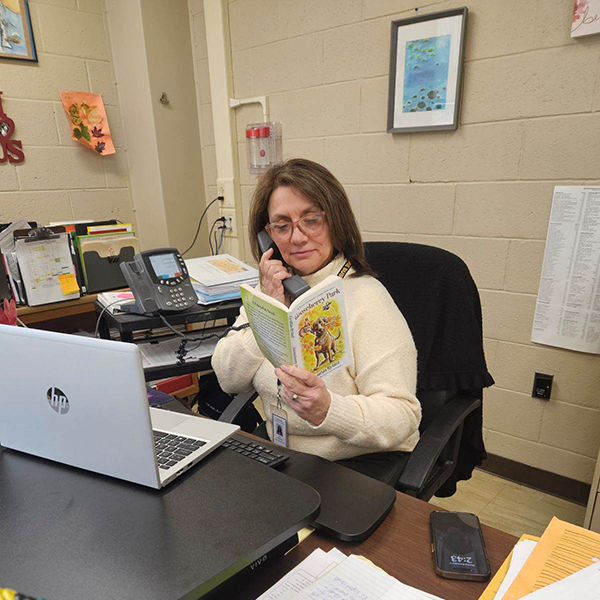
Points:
[(279, 417)]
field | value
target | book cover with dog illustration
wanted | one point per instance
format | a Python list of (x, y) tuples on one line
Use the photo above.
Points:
[(311, 334)]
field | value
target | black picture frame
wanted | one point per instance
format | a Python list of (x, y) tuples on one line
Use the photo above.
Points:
[(425, 51), (16, 34)]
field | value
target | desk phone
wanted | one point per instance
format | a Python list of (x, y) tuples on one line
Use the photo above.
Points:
[(159, 282)]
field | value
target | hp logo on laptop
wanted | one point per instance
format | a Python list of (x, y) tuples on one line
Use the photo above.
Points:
[(58, 400)]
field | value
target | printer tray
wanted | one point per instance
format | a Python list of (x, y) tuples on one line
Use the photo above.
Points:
[(352, 504)]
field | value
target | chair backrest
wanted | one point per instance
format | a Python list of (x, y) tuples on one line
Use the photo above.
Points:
[(435, 292)]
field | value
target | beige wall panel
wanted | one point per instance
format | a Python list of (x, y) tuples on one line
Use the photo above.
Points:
[(312, 149), (554, 460), (245, 177), (298, 17), (35, 25), (209, 161), (354, 193), (521, 79), (380, 8), (373, 105), (467, 154), (252, 113), (356, 51), (499, 28), (576, 375), (102, 80), (207, 131), (253, 23), (486, 258), (102, 204), (196, 6), (242, 73), (288, 65), (384, 237), (524, 266), (72, 33), (247, 191), (116, 167), (378, 158), (408, 208), (61, 168), (8, 177), (512, 209), (91, 6), (507, 316), (43, 81), (561, 147), (513, 413), (553, 24), (199, 36), (34, 122), (322, 111), (113, 114), (490, 348), (203, 81), (59, 3), (571, 428), (44, 206)]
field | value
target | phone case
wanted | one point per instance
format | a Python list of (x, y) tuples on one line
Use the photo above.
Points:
[(453, 574)]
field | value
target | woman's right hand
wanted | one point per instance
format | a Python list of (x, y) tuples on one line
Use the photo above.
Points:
[(272, 274)]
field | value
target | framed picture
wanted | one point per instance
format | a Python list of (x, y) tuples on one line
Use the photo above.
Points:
[(426, 57), (16, 35), (586, 18)]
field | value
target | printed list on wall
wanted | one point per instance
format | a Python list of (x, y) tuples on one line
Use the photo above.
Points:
[(567, 312)]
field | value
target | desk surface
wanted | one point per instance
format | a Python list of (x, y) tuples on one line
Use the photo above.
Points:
[(401, 546)]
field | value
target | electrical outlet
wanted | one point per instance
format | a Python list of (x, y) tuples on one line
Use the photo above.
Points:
[(230, 224)]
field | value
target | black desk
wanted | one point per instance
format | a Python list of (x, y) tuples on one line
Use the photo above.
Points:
[(126, 324), (67, 534)]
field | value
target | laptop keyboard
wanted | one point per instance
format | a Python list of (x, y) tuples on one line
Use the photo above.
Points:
[(171, 448), (266, 455)]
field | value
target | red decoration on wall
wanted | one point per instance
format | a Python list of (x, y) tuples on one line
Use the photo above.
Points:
[(12, 150)]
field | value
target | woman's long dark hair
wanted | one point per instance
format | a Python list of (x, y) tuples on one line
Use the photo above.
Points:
[(320, 186)]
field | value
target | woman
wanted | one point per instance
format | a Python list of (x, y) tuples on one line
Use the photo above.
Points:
[(366, 408)]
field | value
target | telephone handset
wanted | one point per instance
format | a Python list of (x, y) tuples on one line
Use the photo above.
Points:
[(159, 282), (295, 286)]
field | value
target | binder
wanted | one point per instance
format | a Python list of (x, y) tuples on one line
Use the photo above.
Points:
[(101, 257)]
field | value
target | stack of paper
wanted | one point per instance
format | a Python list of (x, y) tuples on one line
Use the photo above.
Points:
[(333, 575), (113, 301), (218, 278), (559, 565)]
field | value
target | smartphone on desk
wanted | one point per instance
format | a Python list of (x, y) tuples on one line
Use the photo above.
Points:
[(295, 286), (458, 547)]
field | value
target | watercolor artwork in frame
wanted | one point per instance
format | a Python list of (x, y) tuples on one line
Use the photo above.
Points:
[(16, 34), (426, 59)]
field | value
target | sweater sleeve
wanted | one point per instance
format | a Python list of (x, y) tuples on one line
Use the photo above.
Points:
[(385, 412), (236, 359)]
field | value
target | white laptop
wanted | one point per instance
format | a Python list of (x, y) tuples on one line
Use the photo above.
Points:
[(83, 402)]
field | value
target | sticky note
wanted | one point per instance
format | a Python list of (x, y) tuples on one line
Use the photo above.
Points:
[(68, 284)]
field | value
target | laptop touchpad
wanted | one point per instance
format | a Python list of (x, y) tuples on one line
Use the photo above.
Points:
[(165, 419)]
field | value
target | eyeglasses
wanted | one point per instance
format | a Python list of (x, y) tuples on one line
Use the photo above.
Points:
[(310, 224)]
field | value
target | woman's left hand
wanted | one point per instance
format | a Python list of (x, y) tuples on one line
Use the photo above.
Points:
[(305, 393)]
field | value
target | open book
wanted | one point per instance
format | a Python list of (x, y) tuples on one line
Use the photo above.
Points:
[(311, 334)]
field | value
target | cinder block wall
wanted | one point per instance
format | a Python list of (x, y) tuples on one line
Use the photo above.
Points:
[(530, 121), (60, 179)]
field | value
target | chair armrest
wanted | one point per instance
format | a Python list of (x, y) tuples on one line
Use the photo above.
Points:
[(236, 406), (423, 458)]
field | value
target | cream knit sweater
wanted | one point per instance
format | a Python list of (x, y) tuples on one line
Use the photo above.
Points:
[(373, 403)]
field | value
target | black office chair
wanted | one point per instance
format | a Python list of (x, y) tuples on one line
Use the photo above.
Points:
[(439, 300)]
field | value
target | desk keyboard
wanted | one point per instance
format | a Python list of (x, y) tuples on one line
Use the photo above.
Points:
[(267, 455)]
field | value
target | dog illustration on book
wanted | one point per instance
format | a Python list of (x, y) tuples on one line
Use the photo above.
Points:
[(324, 347)]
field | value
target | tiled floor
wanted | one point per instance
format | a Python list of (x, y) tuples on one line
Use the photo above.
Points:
[(509, 506)]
